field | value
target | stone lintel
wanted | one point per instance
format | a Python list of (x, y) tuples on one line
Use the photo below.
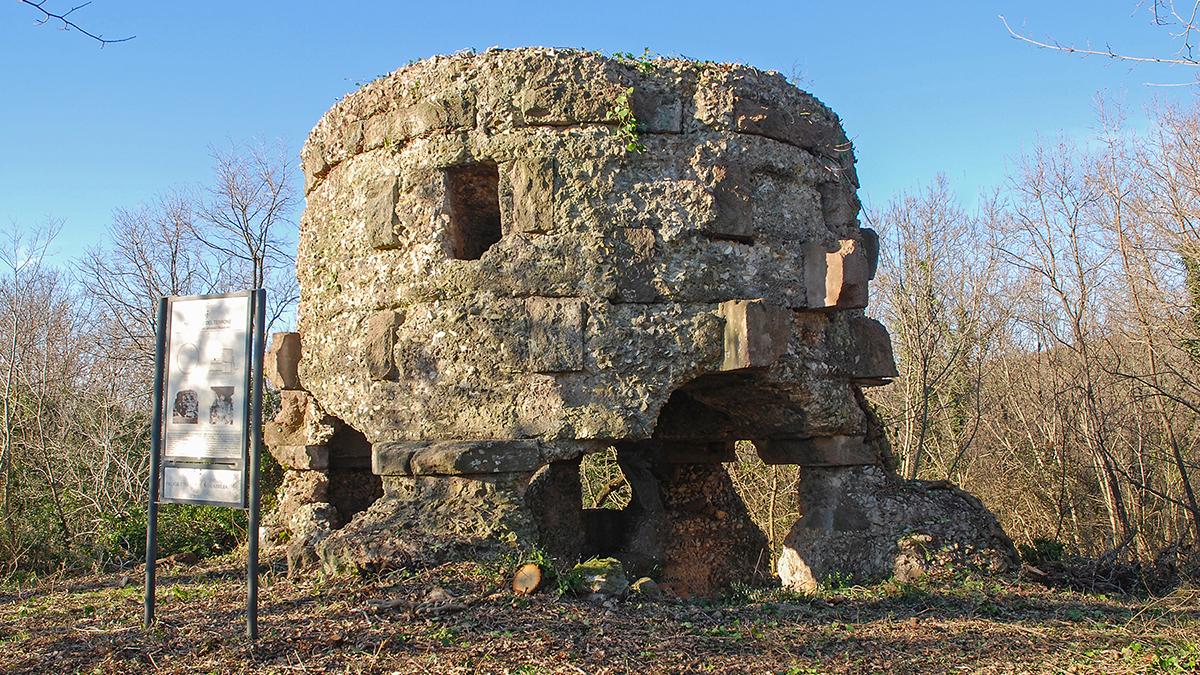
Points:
[(826, 451), (301, 457), (756, 334), (699, 452), (451, 458), (282, 359)]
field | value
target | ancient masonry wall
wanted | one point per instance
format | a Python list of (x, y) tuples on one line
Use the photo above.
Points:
[(514, 258)]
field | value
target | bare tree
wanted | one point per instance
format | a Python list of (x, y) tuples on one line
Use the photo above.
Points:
[(247, 217), (152, 252), (936, 294)]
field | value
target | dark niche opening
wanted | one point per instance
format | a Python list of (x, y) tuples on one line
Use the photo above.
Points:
[(352, 485), (473, 191)]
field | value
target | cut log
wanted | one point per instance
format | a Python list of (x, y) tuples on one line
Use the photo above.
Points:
[(528, 579)]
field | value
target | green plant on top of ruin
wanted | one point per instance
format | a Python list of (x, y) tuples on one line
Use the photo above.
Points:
[(644, 63), (629, 128)]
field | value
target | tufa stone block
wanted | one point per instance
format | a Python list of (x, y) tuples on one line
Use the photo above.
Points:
[(533, 194), (839, 205), (559, 104), (301, 457), (379, 341), (835, 276), (870, 363), (300, 421), (870, 245), (381, 214), (808, 128), (392, 458), (756, 334), (451, 458), (635, 251), (716, 452), (282, 360), (555, 334), (732, 190), (830, 451)]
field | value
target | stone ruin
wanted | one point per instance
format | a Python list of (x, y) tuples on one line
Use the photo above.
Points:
[(510, 260)]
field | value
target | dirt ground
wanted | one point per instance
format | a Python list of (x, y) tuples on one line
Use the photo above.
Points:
[(464, 618)]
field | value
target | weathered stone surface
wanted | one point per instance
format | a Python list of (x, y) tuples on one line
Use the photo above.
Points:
[(821, 451), (422, 520), (493, 283), (555, 334), (860, 522), (599, 575), (870, 362), (301, 457), (532, 181), (836, 275), (473, 457), (450, 458), (299, 422), (309, 525), (554, 499), (381, 214), (298, 489), (380, 340), (281, 361), (756, 334)]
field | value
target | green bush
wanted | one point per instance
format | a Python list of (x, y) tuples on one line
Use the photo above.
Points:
[(1041, 550)]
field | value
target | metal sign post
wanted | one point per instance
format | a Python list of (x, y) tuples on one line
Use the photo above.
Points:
[(208, 417)]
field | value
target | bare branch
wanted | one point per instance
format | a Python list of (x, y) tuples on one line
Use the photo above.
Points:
[(1108, 51), (68, 24)]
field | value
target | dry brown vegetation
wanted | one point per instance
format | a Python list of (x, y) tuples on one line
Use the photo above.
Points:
[(961, 625), (1049, 341)]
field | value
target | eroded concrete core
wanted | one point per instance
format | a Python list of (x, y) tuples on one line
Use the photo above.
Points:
[(495, 283)]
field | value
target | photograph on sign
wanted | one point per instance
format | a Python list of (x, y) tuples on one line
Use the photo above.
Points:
[(202, 484), (206, 378)]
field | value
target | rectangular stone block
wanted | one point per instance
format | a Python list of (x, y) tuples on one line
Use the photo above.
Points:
[(298, 422), (392, 458), (808, 129), (635, 252), (716, 452), (379, 342), (870, 362), (281, 361), (828, 451), (839, 205), (451, 458), (533, 194), (559, 104), (555, 334), (756, 334), (732, 190), (835, 277), (301, 457), (381, 218)]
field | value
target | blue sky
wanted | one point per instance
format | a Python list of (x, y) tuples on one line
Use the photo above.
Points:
[(921, 87)]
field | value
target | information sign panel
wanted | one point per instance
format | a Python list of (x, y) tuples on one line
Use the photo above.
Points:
[(207, 368), (208, 374)]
